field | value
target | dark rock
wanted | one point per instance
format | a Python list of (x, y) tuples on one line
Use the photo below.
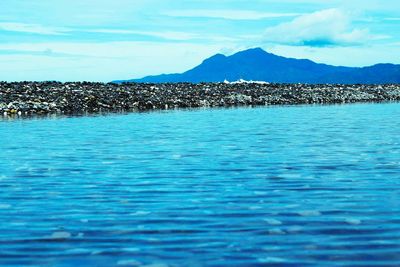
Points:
[(69, 98)]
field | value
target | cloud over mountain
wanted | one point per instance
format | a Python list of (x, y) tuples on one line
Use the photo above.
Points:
[(329, 27)]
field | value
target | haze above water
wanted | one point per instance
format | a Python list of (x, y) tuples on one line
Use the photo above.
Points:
[(299, 185)]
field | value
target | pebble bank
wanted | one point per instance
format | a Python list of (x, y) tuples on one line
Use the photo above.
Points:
[(30, 98)]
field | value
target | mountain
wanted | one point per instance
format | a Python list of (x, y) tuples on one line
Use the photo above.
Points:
[(258, 65)]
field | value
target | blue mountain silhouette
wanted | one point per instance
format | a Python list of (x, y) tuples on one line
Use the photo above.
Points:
[(258, 65)]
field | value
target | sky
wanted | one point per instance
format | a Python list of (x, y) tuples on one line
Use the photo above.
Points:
[(103, 40)]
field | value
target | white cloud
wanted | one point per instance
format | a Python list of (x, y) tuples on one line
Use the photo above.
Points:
[(48, 30), (175, 35), (168, 35), (360, 55), (99, 61), (31, 28), (227, 14), (323, 28)]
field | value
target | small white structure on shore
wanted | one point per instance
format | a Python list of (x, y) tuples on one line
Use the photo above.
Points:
[(241, 81)]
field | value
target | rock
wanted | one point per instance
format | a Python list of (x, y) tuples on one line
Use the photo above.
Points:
[(353, 221), (273, 222), (60, 235), (83, 97), (307, 213)]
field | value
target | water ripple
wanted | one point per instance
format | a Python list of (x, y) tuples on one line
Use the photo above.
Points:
[(281, 186)]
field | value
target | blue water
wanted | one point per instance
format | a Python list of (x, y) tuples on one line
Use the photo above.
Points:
[(278, 186)]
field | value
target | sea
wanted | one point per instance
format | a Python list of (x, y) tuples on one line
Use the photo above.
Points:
[(267, 186)]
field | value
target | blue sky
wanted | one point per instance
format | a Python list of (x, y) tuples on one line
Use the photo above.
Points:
[(100, 40)]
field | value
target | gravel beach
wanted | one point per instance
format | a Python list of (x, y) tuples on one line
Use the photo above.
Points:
[(30, 98)]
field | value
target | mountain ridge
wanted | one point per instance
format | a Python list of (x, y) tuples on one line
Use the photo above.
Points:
[(259, 65)]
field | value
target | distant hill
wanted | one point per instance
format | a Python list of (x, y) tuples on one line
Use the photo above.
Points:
[(259, 65)]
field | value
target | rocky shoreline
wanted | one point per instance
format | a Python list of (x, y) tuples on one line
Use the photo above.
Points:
[(31, 98)]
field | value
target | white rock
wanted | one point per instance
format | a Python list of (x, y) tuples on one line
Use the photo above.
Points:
[(273, 222), (307, 213), (60, 235), (353, 221)]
